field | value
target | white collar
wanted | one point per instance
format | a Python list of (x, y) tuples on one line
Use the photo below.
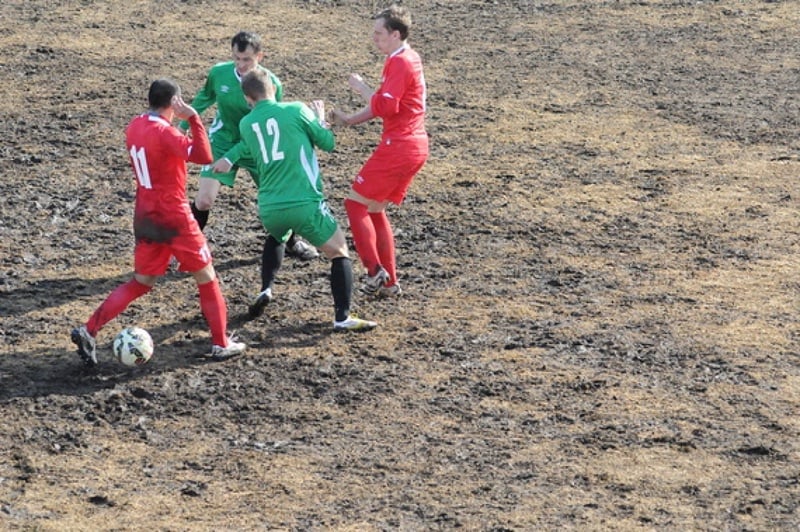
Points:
[(402, 47)]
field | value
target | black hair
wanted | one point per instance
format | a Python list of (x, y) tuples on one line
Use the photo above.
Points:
[(161, 92), (243, 39)]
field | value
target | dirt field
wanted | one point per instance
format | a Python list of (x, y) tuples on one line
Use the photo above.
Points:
[(601, 264)]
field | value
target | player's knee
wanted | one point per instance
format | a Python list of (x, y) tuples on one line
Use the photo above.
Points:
[(205, 275), (336, 246), (203, 202)]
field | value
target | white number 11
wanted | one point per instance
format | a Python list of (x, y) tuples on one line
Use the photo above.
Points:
[(140, 167)]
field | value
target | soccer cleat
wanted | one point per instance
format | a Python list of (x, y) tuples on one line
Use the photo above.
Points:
[(262, 300), (302, 251), (375, 282), (353, 323), (231, 350), (86, 345), (386, 292)]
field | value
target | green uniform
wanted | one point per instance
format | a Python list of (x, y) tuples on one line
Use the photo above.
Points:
[(281, 137), (223, 88)]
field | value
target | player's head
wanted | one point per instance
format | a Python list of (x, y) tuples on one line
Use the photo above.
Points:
[(246, 51), (161, 93), (396, 18), (257, 86)]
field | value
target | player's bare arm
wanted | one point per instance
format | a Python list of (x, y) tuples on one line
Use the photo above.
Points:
[(340, 118)]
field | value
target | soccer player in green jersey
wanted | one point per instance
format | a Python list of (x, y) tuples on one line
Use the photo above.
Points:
[(223, 89), (281, 137)]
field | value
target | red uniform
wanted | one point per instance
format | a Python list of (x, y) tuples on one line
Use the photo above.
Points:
[(163, 224), (400, 102)]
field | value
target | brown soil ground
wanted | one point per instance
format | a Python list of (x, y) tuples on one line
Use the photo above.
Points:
[(600, 260)]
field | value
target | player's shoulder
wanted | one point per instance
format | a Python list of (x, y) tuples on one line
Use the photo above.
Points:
[(145, 120), (293, 107), (147, 125), (222, 67), (406, 56)]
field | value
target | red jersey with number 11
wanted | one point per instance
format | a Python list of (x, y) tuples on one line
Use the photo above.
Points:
[(158, 153)]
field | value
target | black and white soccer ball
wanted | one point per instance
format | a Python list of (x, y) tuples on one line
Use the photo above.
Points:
[(133, 346)]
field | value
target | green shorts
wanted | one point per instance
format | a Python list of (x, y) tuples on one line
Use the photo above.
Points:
[(312, 221)]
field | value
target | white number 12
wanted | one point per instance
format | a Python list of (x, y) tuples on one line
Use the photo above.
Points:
[(273, 131)]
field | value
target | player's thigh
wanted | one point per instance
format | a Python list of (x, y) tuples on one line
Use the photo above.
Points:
[(151, 258), (404, 176), (191, 251), (312, 221), (318, 224), (387, 174), (276, 224)]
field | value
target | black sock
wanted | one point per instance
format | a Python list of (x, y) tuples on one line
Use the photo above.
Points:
[(271, 260), (341, 286), (200, 216)]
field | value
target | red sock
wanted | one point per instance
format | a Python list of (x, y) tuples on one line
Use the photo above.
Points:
[(115, 303), (364, 236), (384, 237), (216, 312)]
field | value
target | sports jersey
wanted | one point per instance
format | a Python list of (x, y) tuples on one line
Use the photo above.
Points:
[(158, 154), (281, 138), (400, 98), (223, 88)]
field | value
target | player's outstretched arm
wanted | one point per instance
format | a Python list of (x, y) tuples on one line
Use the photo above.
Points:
[(200, 151), (340, 118)]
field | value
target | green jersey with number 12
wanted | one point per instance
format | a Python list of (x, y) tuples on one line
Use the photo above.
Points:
[(281, 138)]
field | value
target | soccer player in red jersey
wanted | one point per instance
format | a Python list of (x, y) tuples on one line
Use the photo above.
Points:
[(163, 224), (386, 176)]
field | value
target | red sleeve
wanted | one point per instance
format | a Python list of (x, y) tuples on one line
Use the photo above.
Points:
[(200, 148), (386, 100)]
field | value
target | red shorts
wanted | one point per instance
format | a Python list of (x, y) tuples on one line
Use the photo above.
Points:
[(158, 241), (388, 172)]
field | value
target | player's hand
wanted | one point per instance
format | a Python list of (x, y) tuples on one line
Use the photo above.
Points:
[(355, 81), (318, 108), (357, 84), (183, 110), (221, 166)]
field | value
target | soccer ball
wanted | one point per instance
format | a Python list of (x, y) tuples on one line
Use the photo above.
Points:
[(133, 346)]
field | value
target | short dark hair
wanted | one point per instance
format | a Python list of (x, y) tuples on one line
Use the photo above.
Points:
[(396, 18), (161, 92), (257, 85), (243, 39)]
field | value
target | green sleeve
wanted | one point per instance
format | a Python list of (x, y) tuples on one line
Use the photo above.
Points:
[(238, 151), (204, 99), (278, 87), (321, 136)]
